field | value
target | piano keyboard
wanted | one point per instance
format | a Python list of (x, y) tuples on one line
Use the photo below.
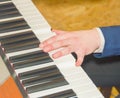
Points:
[(36, 73)]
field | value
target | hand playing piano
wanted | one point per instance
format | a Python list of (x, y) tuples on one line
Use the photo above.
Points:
[(82, 43)]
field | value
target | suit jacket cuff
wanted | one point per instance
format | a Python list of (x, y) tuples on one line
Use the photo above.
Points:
[(102, 43)]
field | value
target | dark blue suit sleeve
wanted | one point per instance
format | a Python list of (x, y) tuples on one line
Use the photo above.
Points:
[(112, 42)]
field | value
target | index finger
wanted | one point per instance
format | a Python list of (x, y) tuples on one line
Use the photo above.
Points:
[(58, 31), (54, 39)]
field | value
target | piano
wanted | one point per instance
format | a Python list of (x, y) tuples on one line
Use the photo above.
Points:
[(35, 73)]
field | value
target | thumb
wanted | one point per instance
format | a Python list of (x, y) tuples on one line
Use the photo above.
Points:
[(79, 62), (80, 58)]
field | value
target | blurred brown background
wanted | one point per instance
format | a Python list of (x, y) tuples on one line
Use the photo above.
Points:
[(79, 14)]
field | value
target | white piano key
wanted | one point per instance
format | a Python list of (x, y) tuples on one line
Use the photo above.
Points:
[(87, 91), (81, 85), (28, 10), (67, 66), (91, 94), (44, 35)]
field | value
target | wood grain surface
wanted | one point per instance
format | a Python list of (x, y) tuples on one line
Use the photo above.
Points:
[(79, 14)]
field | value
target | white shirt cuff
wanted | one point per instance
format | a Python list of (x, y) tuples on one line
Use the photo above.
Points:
[(102, 43)]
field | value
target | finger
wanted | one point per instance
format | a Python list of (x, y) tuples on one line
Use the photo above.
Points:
[(57, 45), (80, 57), (48, 41), (64, 51), (79, 61), (58, 31), (55, 39)]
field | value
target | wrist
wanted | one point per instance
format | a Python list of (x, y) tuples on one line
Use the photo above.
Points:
[(101, 41)]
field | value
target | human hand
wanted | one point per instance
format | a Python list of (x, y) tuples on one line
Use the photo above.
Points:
[(82, 43)]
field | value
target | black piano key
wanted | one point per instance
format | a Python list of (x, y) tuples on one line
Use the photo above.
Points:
[(32, 62), (8, 10), (37, 72), (42, 78), (7, 5), (52, 84), (13, 25), (21, 45), (17, 37), (29, 55), (4, 0), (11, 36), (9, 13), (63, 94)]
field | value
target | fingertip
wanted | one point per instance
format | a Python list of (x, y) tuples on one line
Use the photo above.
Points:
[(56, 55), (46, 49), (77, 64), (41, 45)]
